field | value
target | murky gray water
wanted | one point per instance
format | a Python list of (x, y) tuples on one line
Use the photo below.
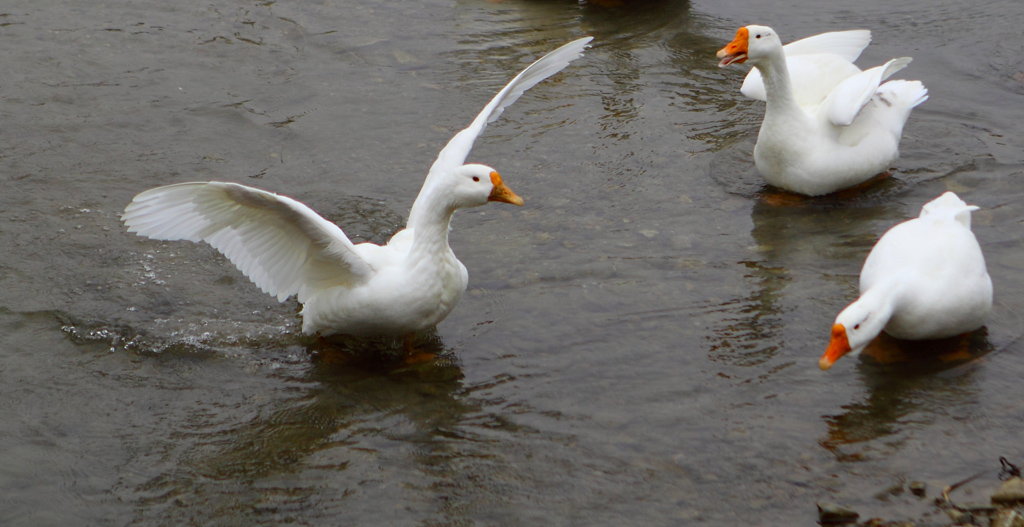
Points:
[(638, 344)]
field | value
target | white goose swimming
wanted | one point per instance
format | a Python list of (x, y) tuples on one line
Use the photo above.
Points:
[(924, 279), (362, 290), (827, 124)]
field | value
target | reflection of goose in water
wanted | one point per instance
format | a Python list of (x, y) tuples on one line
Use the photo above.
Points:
[(401, 288), (906, 393), (606, 20), (653, 63), (329, 440), (746, 333)]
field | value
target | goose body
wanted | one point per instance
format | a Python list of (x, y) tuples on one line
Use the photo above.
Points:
[(924, 279), (827, 124), (408, 285)]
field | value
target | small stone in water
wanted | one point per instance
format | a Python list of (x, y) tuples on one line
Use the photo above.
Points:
[(1010, 492), (978, 509), (832, 513), (960, 517), (917, 488), (893, 490)]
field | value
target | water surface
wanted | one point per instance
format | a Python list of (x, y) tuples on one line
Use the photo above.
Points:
[(638, 345)]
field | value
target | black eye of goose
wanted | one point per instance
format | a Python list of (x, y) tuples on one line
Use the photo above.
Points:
[(757, 35), (856, 326), (476, 178)]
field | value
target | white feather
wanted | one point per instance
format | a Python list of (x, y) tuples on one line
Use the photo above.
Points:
[(455, 152), (816, 64), (847, 99), (280, 244)]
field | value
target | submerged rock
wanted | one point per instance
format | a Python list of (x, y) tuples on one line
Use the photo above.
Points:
[(833, 513)]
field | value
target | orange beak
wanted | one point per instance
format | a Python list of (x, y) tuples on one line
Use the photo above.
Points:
[(838, 346), (502, 193), (735, 51)]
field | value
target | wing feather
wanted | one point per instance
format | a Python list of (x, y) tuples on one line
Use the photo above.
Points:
[(280, 244), (815, 62), (453, 155), (849, 97), (847, 44)]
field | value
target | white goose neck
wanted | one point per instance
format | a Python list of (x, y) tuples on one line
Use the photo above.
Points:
[(423, 202), (880, 301), (881, 298), (430, 221), (777, 85)]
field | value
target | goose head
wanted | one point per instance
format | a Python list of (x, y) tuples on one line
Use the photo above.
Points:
[(464, 186), (854, 328), (753, 43), (473, 185)]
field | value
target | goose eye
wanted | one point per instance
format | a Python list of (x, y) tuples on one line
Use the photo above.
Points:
[(476, 178), (757, 36), (856, 326)]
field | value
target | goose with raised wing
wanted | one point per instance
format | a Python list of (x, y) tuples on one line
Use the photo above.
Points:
[(364, 290), (827, 125), (924, 279)]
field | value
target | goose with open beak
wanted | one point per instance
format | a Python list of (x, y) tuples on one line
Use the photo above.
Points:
[(827, 124)]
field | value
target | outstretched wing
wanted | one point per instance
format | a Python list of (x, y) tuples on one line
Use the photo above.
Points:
[(280, 244), (453, 155)]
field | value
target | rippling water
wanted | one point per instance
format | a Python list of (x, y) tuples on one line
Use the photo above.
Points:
[(638, 345)]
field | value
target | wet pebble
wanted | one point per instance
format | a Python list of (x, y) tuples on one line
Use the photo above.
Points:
[(1010, 492), (918, 488), (893, 490), (835, 514), (960, 517), (978, 509), (963, 518)]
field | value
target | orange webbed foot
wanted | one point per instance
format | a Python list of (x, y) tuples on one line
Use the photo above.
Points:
[(414, 356), (961, 352)]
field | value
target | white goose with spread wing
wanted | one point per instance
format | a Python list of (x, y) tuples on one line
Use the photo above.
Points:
[(285, 248), (827, 124)]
